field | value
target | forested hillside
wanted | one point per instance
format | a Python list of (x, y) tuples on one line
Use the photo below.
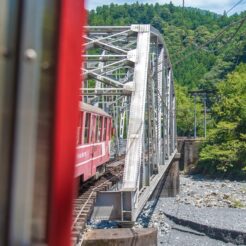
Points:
[(197, 62), (204, 48)]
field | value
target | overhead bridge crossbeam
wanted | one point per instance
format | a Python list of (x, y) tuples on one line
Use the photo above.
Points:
[(139, 94)]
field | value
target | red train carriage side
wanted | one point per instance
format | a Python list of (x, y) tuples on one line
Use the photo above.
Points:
[(93, 141)]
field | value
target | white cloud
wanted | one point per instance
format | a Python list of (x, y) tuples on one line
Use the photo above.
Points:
[(218, 6)]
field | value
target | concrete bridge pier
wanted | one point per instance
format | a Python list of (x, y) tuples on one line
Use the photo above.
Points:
[(189, 151), (171, 181)]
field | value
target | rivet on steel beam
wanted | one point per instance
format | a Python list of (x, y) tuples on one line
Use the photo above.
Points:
[(5, 53), (46, 65), (30, 54)]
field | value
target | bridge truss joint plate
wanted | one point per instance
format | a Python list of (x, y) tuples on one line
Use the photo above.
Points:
[(129, 86), (132, 55), (140, 28)]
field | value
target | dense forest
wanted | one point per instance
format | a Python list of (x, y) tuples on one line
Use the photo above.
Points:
[(208, 52), (185, 31), (225, 148)]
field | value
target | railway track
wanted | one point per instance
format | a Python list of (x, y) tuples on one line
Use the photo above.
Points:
[(84, 203)]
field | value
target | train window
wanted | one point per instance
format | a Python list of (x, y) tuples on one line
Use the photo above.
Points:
[(94, 129), (87, 128), (79, 131), (109, 129), (99, 134), (105, 129)]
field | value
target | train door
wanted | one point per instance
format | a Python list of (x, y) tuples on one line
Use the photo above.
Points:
[(96, 148), (84, 149), (93, 142), (109, 133), (88, 143), (105, 149), (101, 144)]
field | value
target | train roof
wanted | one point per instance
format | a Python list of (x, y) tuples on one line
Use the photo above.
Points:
[(89, 108)]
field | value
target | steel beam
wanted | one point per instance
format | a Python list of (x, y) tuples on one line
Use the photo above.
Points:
[(141, 69)]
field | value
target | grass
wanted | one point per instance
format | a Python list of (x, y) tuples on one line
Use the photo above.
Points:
[(237, 204)]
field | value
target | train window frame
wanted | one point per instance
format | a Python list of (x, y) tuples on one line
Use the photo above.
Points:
[(109, 129), (93, 127), (105, 123), (86, 129), (82, 126), (96, 129), (100, 128), (80, 129)]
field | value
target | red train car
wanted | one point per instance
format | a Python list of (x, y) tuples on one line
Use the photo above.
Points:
[(93, 141)]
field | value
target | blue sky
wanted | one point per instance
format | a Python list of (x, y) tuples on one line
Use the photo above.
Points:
[(217, 6)]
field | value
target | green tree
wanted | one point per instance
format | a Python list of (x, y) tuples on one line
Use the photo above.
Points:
[(185, 113), (225, 149)]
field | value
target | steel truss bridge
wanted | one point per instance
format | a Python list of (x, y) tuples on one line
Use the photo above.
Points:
[(127, 72)]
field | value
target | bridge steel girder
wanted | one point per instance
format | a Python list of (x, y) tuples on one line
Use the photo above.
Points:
[(146, 76)]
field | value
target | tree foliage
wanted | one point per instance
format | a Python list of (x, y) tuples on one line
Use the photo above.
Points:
[(225, 149), (185, 113), (185, 30)]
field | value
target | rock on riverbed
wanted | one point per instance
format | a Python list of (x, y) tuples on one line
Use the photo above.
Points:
[(215, 203), (201, 192)]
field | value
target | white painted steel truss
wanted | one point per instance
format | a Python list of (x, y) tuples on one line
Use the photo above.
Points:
[(127, 72)]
